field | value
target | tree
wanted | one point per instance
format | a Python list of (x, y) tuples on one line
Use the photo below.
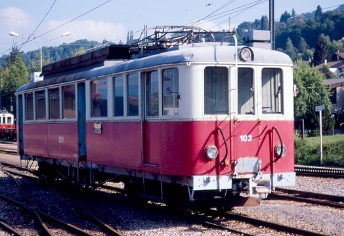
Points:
[(308, 55), (312, 92), (264, 23), (318, 13), (321, 49), (291, 50), (303, 46), (284, 17), (13, 76)]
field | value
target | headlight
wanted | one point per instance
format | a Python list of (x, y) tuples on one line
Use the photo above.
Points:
[(211, 152), (280, 150), (245, 54)]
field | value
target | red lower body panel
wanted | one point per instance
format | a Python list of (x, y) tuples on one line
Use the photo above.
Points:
[(177, 148), (57, 140)]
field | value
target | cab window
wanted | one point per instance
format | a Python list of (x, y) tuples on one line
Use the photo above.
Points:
[(272, 91), (215, 90), (245, 91)]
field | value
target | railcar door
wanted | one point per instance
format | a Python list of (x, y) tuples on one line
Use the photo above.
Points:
[(246, 126), (149, 117), (20, 112), (81, 120)]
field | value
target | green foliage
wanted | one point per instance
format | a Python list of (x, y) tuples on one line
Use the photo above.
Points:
[(321, 49), (312, 92), (285, 16), (306, 26), (13, 75), (303, 46), (307, 151), (51, 54), (264, 23), (318, 12), (290, 50)]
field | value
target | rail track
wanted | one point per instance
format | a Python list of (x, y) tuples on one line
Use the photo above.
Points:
[(209, 219), (309, 197), (45, 218)]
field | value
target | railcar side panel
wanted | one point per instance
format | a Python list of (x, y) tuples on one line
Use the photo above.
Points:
[(36, 139), (63, 140), (118, 144)]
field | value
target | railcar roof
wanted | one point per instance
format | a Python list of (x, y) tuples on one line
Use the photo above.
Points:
[(194, 53)]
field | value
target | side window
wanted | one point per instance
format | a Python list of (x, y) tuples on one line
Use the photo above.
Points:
[(29, 106), (152, 93), (170, 89), (133, 95), (245, 91), (9, 120), (118, 96), (99, 98), (272, 91), (54, 103), (215, 90), (68, 102), (40, 105)]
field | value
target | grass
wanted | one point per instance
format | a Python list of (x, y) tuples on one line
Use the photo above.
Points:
[(307, 151)]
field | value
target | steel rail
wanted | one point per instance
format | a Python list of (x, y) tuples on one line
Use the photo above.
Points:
[(335, 172), (78, 205), (30, 209), (34, 209), (309, 197), (9, 228), (271, 225)]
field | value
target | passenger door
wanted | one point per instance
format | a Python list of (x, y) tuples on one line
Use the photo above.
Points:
[(150, 117)]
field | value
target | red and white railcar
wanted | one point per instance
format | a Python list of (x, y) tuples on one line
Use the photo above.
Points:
[(206, 119), (7, 126)]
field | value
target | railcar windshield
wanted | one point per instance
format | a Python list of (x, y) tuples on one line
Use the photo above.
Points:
[(272, 91), (245, 91), (216, 90)]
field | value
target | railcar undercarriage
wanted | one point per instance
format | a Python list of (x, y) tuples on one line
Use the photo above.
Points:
[(178, 191)]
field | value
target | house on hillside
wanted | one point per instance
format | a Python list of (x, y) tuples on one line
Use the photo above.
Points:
[(336, 66)]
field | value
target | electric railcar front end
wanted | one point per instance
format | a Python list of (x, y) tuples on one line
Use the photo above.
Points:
[(242, 122)]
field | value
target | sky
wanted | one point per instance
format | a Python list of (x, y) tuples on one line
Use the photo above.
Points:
[(45, 21)]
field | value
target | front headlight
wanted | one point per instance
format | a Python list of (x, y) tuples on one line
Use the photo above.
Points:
[(211, 152), (280, 150)]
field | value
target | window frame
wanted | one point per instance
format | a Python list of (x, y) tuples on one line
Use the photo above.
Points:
[(174, 93)]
